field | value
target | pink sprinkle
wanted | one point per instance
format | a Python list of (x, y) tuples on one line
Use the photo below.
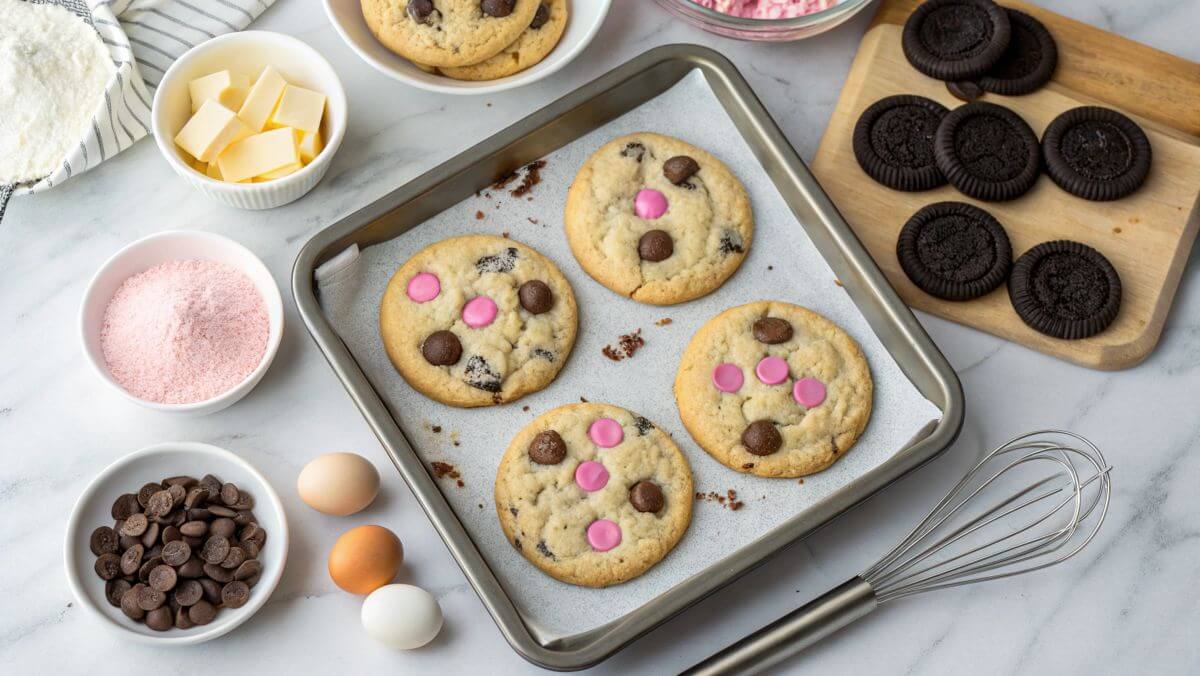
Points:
[(606, 433), (772, 370), (603, 535), (424, 287), (809, 392), (649, 203), (591, 475), (479, 312), (184, 331), (727, 377)]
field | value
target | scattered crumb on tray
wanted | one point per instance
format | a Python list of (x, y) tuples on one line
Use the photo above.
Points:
[(443, 470), (770, 267), (627, 346), (531, 219), (479, 215), (837, 281), (437, 429), (664, 321), (583, 399), (525, 408), (728, 500)]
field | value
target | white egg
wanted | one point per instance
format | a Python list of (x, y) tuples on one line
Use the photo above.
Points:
[(402, 616)]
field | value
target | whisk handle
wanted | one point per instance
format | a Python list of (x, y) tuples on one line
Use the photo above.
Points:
[(793, 632)]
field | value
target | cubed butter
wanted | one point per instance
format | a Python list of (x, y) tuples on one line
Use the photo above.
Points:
[(299, 108), (261, 99), (279, 173), (310, 146), (259, 154), (210, 130), (233, 97), (209, 87), (214, 171)]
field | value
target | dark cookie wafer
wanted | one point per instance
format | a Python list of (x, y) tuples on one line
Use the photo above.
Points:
[(893, 142), (954, 250), (1096, 153), (956, 40), (987, 152), (1028, 62), (1065, 289)]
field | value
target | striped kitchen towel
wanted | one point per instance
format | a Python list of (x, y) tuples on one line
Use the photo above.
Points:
[(144, 37)]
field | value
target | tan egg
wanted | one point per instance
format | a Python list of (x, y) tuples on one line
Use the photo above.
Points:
[(338, 483), (365, 558)]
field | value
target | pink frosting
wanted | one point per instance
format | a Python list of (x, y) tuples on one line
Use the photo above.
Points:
[(727, 377), (424, 287), (649, 203), (479, 312), (606, 433), (772, 370), (767, 9), (603, 535), (809, 392), (591, 475)]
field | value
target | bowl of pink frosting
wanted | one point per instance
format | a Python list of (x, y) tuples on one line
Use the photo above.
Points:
[(765, 20), (182, 322)]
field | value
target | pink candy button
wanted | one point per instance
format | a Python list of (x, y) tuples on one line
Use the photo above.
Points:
[(772, 370), (591, 475), (809, 392), (603, 535), (606, 433), (424, 287), (649, 203), (727, 377), (479, 312)]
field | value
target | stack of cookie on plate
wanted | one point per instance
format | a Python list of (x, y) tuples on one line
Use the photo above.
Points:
[(468, 39)]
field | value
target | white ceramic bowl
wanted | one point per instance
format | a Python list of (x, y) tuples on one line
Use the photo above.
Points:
[(172, 245), (583, 21), (94, 509), (249, 52)]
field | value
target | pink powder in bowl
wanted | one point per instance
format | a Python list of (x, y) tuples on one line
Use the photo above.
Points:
[(184, 331)]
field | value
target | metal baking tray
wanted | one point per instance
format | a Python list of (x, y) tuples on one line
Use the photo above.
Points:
[(546, 130)]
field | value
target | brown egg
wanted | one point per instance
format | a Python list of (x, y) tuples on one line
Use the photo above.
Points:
[(365, 558)]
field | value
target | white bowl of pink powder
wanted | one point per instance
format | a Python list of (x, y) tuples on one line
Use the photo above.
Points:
[(182, 322), (765, 20)]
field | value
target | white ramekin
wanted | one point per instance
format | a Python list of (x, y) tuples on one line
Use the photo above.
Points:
[(249, 52)]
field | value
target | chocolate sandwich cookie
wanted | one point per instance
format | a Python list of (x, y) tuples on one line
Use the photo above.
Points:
[(954, 251), (1028, 62), (987, 151), (1065, 289), (956, 40), (1096, 153), (893, 142)]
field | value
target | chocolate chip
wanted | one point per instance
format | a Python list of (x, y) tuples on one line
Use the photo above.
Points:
[(148, 565), (655, 246), (129, 603), (188, 592), (192, 568), (108, 566), (544, 550), (163, 578), (247, 570), (646, 496), (543, 353), (731, 242), (229, 494), (196, 497), (235, 594), (479, 374), (547, 448), (212, 485), (224, 526), (442, 348), (221, 510), (251, 548), (159, 504), (634, 150), (160, 619), (680, 168), (131, 560), (244, 502), (215, 549), (171, 534), (761, 438), (182, 621), (497, 8), (218, 573), (146, 491), (194, 528), (421, 11), (501, 262), (772, 330), (150, 537), (178, 493), (234, 558), (254, 533), (176, 553), (103, 541), (202, 613), (182, 480), (125, 506), (135, 525), (212, 590), (540, 17), (114, 590), (149, 598), (535, 296)]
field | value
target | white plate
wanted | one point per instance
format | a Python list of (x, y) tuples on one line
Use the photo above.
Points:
[(583, 21)]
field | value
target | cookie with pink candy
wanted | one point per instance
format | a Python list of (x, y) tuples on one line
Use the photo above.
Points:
[(478, 320), (774, 389), (593, 494)]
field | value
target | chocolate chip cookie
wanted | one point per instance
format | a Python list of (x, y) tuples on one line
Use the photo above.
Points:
[(448, 33), (538, 40), (478, 320)]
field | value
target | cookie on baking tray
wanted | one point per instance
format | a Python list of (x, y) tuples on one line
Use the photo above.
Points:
[(987, 152), (893, 142), (774, 389), (956, 40), (656, 219), (593, 494), (448, 32), (478, 320), (538, 40)]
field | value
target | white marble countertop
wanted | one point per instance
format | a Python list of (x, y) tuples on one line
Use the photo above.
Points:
[(1126, 605)]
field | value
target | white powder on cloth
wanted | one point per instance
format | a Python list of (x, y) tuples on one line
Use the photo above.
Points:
[(53, 72)]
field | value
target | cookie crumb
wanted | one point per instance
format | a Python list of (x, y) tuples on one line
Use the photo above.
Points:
[(770, 267), (748, 465), (437, 429), (728, 500), (664, 321), (525, 408), (442, 470), (627, 346), (583, 399), (504, 234), (479, 215), (801, 482), (503, 181), (1116, 231), (837, 281), (532, 177), (531, 219), (454, 438)]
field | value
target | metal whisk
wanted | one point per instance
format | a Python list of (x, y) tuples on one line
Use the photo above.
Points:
[(1031, 503)]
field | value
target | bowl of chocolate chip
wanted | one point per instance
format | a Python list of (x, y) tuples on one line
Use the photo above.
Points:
[(176, 544)]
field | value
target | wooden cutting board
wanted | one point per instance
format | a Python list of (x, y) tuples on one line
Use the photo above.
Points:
[(1147, 235)]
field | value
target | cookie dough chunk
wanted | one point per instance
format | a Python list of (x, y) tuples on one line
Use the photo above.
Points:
[(447, 33), (773, 389), (658, 220), (592, 494), (478, 320), (534, 44)]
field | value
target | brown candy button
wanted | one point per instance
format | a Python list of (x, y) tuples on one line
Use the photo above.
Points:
[(114, 590), (108, 566), (547, 448), (135, 525), (131, 560), (646, 496), (540, 17), (535, 296), (202, 613), (235, 594), (148, 598), (680, 168), (188, 592), (163, 578), (225, 527), (160, 619), (176, 553), (215, 549), (655, 246), (441, 348), (103, 541), (420, 10), (772, 330), (761, 438), (129, 604), (497, 8)]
